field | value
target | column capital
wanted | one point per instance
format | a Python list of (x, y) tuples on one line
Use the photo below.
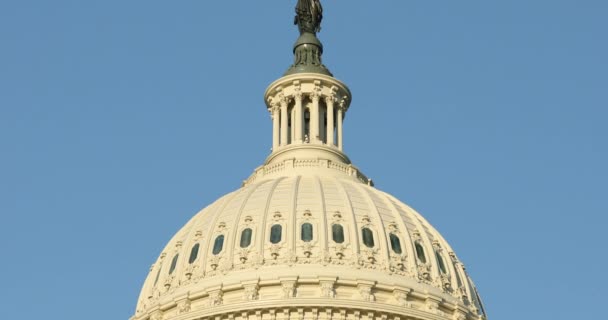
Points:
[(283, 99), (273, 104), (315, 95), (343, 104), (331, 98), (298, 93), (276, 107)]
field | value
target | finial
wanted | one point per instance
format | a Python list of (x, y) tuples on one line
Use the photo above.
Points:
[(308, 49)]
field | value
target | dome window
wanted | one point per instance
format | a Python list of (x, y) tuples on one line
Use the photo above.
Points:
[(157, 275), (276, 233), (458, 280), (193, 253), (337, 233), (441, 263), (395, 243), (420, 252), (218, 245), (306, 232), (173, 264), (246, 237), (368, 237)]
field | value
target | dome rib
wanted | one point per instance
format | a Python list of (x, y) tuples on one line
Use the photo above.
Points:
[(323, 232), (293, 215), (353, 233)]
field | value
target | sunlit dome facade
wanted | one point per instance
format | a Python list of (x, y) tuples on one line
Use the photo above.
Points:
[(308, 236)]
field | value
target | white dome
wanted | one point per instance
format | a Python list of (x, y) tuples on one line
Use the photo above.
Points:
[(401, 267), (307, 236)]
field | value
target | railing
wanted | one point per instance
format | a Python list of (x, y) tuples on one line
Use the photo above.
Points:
[(277, 168)]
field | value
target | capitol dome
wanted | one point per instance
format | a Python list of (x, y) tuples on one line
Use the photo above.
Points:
[(308, 236)]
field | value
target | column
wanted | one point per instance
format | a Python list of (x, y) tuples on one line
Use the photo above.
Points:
[(339, 122), (330, 120), (292, 127), (314, 116), (284, 121), (299, 123), (275, 127)]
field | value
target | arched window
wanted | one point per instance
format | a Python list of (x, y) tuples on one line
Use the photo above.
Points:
[(218, 245), (458, 280), (337, 233), (395, 243), (306, 232), (193, 253), (157, 275), (276, 233), (440, 262), (420, 253), (173, 264), (246, 237), (483, 310), (368, 237)]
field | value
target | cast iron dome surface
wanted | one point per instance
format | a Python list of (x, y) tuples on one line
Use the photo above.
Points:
[(307, 236)]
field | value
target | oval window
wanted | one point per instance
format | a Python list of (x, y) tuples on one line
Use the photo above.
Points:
[(395, 244), (441, 263), (420, 252), (246, 237), (368, 237), (193, 253), (337, 233), (218, 245), (275, 233), (173, 264), (306, 232)]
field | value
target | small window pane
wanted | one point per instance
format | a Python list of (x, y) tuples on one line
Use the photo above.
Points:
[(246, 238), (483, 310), (173, 264), (307, 232), (275, 233), (337, 232), (420, 253), (458, 280), (440, 262), (157, 275), (194, 253), (395, 244), (368, 237), (218, 245)]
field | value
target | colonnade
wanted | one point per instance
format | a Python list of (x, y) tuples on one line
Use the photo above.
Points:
[(307, 118)]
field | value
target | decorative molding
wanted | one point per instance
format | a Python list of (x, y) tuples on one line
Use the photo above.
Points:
[(365, 292), (401, 297), (251, 292), (157, 315), (289, 289), (216, 297), (327, 288), (184, 306)]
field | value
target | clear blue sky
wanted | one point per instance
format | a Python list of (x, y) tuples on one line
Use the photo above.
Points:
[(121, 119)]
